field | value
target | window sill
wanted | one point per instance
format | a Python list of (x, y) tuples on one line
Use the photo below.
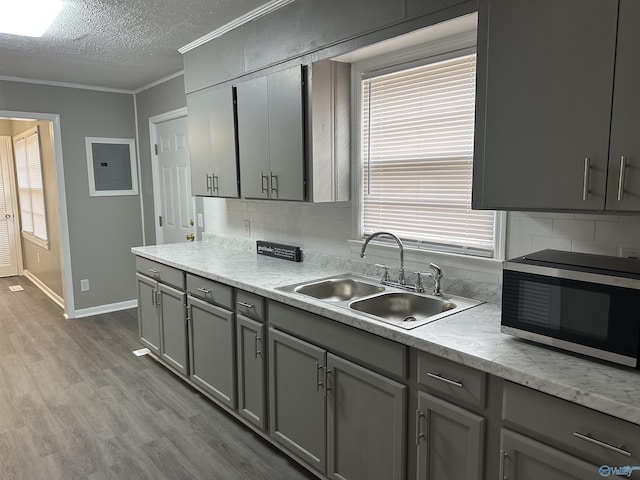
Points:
[(37, 241)]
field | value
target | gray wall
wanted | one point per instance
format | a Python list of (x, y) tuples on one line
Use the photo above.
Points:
[(166, 97), (102, 230), (44, 263)]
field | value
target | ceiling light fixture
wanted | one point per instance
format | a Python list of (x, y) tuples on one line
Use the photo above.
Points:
[(29, 19)]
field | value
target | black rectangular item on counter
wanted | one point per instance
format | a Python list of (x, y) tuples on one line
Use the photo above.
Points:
[(278, 250)]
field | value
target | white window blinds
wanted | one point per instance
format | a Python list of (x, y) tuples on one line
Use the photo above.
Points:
[(417, 154), (30, 186)]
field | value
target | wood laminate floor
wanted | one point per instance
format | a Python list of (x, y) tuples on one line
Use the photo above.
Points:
[(75, 403)]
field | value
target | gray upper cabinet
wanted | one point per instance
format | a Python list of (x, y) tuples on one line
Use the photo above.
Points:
[(623, 187), (545, 81), (212, 142), (524, 459), (271, 135), (307, 25), (450, 441), (215, 61), (368, 410)]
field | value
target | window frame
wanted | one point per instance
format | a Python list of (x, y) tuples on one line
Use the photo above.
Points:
[(30, 235), (396, 60)]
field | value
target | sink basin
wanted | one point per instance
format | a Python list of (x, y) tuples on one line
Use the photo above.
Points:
[(339, 289), (403, 306)]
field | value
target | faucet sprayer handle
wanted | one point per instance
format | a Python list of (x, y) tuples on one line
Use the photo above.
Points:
[(385, 275), (437, 271)]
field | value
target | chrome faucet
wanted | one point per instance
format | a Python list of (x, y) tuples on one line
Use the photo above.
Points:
[(401, 278), (437, 276)]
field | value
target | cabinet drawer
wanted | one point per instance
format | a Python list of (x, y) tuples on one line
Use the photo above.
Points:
[(210, 291), (452, 379), (593, 436), (364, 348), (160, 272), (250, 305)]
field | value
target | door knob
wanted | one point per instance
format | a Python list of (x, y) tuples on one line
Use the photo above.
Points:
[(191, 237)]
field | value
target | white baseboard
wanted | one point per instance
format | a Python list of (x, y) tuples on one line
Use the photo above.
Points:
[(45, 289), (111, 307)]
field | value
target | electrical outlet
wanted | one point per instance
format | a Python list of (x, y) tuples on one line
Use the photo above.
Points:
[(200, 218), (84, 285), (247, 228), (38, 256), (629, 252)]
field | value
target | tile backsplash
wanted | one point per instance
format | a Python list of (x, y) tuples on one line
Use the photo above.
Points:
[(325, 229)]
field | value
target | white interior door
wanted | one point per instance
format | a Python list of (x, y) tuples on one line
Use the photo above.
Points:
[(174, 182), (9, 225)]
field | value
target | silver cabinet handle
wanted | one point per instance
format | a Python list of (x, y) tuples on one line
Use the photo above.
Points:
[(437, 376), (623, 166), (588, 438), (153, 297), (206, 291), (327, 385), (158, 297), (503, 456), (215, 184), (419, 434), (245, 305), (188, 316), (585, 181), (154, 271), (319, 378), (274, 183), (264, 177), (209, 182), (258, 339)]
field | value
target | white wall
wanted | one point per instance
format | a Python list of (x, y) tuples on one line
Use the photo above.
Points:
[(326, 229)]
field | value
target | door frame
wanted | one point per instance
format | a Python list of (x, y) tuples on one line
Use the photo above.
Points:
[(65, 248), (6, 148), (153, 140)]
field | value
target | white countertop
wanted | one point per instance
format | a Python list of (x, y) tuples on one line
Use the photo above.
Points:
[(471, 337)]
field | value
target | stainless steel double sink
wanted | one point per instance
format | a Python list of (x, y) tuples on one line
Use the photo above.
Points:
[(384, 303)]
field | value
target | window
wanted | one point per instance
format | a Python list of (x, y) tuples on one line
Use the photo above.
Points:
[(417, 130), (30, 186)]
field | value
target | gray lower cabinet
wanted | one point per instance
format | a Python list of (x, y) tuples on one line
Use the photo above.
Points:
[(162, 321), (345, 421), (252, 386), (148, 321), (171, 308), (271, 135), (523, 458), (449, 439), (212, 342), (212, 143), (366, 420)]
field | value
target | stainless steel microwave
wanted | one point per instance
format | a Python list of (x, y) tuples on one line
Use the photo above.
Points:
[(588, 304)]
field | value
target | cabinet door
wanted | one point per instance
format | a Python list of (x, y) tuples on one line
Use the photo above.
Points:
[(286, 134), (549, 80), (173, 321), (213, 350), (450, 441), (148, 320), (623, 189), (212, 142), (253, 137), (251, 373), (297, 416), (366, 417), (526, 459)]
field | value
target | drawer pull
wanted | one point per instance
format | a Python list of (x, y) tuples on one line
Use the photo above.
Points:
[(245, 305), (503, 456), (437, 376), (319, 378), (590, 439), (206, 291), (419, 434), (154, 271)]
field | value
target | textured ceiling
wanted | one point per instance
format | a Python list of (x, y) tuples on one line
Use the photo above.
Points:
[(122, 44)]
